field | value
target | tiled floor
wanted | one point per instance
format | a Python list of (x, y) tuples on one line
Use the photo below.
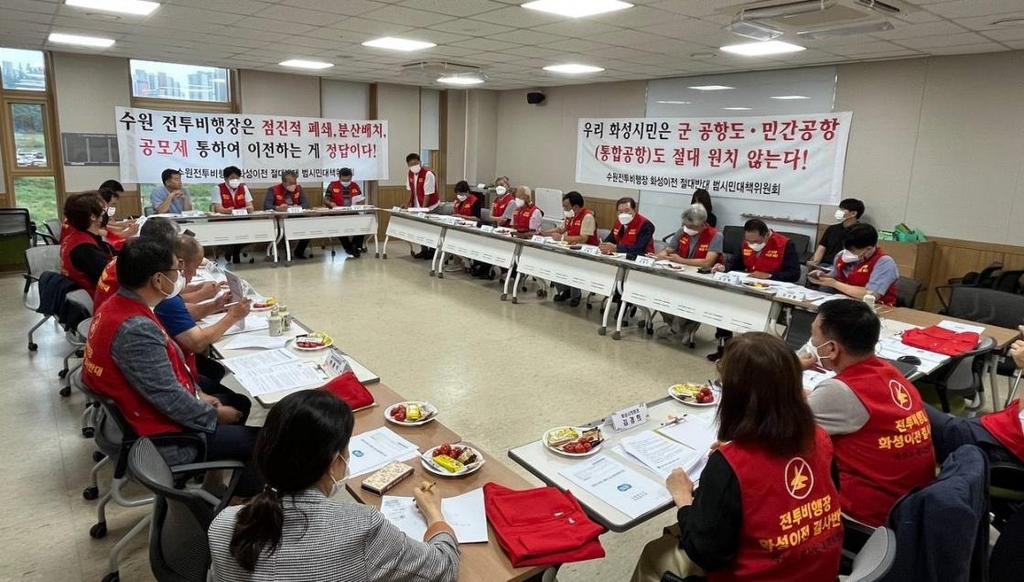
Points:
[(501, 374)]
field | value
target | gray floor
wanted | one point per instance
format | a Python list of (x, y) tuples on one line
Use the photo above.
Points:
[(500, 373)]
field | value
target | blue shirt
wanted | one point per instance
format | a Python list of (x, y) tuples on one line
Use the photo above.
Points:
[(160, 193), (883, 275), (174, 315)]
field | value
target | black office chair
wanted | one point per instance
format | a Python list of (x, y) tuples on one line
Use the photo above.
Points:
[(802, 242), (1006, 562), (907, 290), (984, 278), (1006, 494), (1010, 282), (16, 235), (963, 376), (179, 550)]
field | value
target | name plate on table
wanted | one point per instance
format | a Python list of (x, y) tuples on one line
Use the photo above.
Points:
[(630, 417), (396, 209), (793, 294), (336, 362), (240, 212), (644, 261), (730, 278), (537, 239), (294, 210), (486, 228), (591, 250)]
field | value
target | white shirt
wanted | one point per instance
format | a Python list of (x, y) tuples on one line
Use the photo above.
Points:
[(429, 187)]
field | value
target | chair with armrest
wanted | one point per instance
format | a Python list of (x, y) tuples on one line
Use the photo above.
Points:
[(78, 302), (1006, 562), (964, 375), (875, 558), (1006, 492), (984, 278), (1010, 282), (39, 260), (907, 290)]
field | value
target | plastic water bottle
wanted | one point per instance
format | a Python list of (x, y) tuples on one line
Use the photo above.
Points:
[(286, 319), (274, 323), (869, 298)]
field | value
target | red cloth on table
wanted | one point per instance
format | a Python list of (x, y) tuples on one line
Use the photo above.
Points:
[(350, 389), (941, 340)]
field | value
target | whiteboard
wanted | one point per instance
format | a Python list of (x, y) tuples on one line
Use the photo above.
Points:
[(550, 201)]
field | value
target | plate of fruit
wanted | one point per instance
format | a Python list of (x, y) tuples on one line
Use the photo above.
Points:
[(450, 460), (694, 394), (312, 342), (266, 304), (572, 441), (410, 413)]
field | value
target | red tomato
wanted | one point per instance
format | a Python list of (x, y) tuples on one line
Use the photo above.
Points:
[(587, 447)]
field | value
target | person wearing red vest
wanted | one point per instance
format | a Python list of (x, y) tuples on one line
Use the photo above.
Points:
[(526, 218), (288, 193), (767, 509), (862, 268), (114, 231), (632, 233), (467, 205), (130, 359), (504, 202), (422, 186), (83, 252), (876, 417), (229, 196), (579, 227), (345, 192)]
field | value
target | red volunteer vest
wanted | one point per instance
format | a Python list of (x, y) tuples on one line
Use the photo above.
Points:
[(337, 192), (770, 259), (632, 232), (1005, 426), (861, 274), (704, 238), (116, 241), (416, 192), (70, 239), (893, 452), (107, 286), (280, 193), (465, 207), (792, 528), (102, 375), (521, 217), (236, 201), (575, 224), (500, 205)]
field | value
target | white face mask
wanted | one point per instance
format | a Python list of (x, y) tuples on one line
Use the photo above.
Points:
[(500, 190), (346, 184), (625, 218), (233, 183), (569, 213), (338, 485), (690, 231), (179, 284), (111, 211), (520, 202), (840, 215), (415, 169), (291, 188), (756, 247), (461, 197), (848, 257), (812, 350)]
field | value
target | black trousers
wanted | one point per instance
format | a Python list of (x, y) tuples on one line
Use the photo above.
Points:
[(300, 249), (235, 442), (352, 244)]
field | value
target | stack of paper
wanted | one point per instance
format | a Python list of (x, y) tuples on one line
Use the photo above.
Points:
[(252, 322), (662, 455), (464, 513), (618, 485), (257, 341), (274, 371), (894, 348), (372, 450), (692, 431), (961, 327)]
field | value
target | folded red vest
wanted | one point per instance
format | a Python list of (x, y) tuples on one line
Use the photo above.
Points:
[(540, 527), (350, 389), (941, 340)]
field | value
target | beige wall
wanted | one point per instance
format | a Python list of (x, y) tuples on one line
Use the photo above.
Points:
[(279, 94), (400, 105), (482, 142), (458, 100)]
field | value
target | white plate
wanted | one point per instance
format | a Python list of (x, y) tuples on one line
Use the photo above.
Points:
[(679, 398), (293, 343), (426, 405), (544, 439), (430, 465), (255, 309)]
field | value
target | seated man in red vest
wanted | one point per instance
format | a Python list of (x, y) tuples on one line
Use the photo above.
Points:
[(83, 252), (422, 186), (345, 192), (130, 359), (632, 233), (696, 244), (229, 196), (288, 193), (861, 268), (526, 217), (156, 228), (876, 417), (504, 197), (468, 206), (580, 227), (114, 231)]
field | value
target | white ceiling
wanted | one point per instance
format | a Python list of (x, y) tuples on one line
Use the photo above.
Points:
[(654, 39)]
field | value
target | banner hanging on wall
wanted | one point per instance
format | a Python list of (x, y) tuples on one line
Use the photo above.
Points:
[(796, 159), (201, 145)]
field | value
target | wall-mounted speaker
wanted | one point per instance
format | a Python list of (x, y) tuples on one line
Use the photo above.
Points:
[(535, 98)]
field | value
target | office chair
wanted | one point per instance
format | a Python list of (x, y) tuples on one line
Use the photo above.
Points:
[(963, 376), (39, 260), (876, 558), (81, 302), (907, 290), (1006, 562)]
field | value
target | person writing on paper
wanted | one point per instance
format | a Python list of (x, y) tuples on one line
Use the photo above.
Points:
[(467, 204), (580, 227), (171, 197), (696, 244), (115, 231), (504, 202), (861, 268), (526, 218), (164, 231), (130, 359), (632, 233), (83, 252), (288, 194), (876, 417), (341, 193), (832, 241), (422, 186), (299, 529), (229, 196), (773, 462), (702, 197)]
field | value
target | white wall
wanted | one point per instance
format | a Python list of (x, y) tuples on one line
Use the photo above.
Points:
[(400, 105), (279, 94), (458, 100), (482, 141), (344, 99)]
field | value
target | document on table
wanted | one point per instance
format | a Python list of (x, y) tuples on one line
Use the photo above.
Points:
[(252, 322), (260, 361), (661, 454), (464, 513), (289, 376), (692, 431), (256, 341), (894, 348), (618, 485), (372, 450), (961, 327)]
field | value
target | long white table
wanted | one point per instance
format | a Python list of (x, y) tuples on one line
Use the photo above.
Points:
[(477, 245), (258, 227), (323, 223), (405, 226)]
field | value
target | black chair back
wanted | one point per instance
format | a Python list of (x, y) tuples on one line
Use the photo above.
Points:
[(732, 239), (982, 305), (802, 242), (906, 292), (1010, 282)]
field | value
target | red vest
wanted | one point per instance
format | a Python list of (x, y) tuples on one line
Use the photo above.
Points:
[(116, 241), (861, 274), (893, 452), (229, 201), (1005, 426), (770, 259), (70, 239), (792, 528), (280, 193), (107, 286), (632, 232), (465, 207), (416, 192), (102, 375), (337, 192), (575, 224), (499, 205), (704, 238), (521, 217)]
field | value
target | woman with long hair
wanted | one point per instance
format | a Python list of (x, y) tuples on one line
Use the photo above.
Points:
[(767, 507), (293, 531)]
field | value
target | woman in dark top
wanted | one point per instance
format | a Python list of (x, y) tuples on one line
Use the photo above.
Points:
[(83, 252), (701, 196), (767, 507)]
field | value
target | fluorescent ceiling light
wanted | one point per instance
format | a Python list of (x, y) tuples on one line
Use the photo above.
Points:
[(462, 79), (577, 8), (399, 44), (136, 7), (789, 97), (753, 30), (736, 108), (303, 64), (675, 102), (573, 69), (880, 26), (760, 49), (711, 87), (92, 41)]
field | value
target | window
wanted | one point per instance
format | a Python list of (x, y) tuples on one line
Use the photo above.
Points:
[(38, 194), (153, 80), (28, 123), (22, 70)]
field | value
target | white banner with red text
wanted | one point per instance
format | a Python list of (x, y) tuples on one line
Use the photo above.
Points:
[(796, 159), (201, 145)]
